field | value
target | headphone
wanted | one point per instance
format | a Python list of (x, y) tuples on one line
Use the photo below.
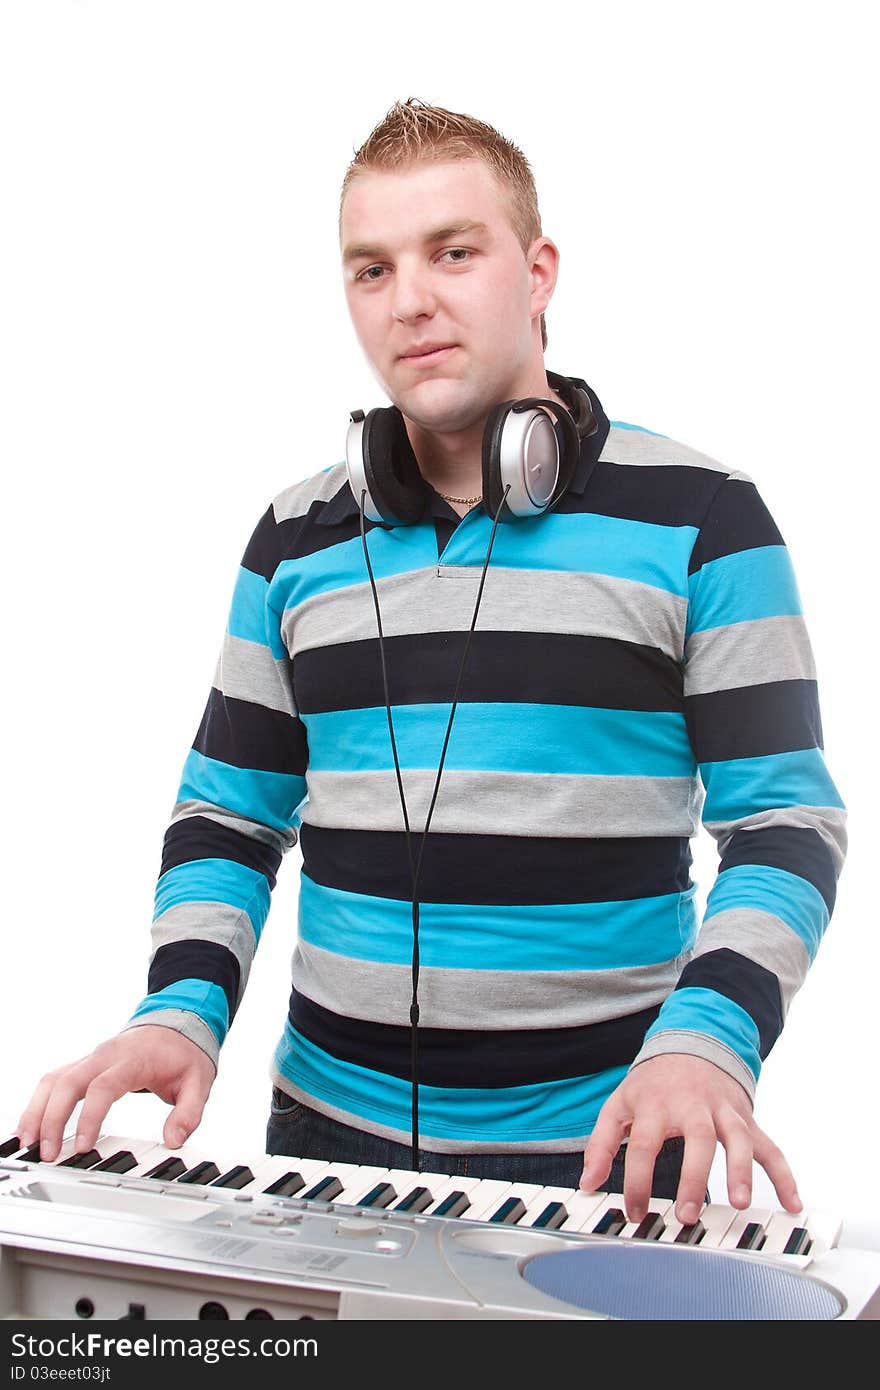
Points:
[(531, 448), (528, 457)]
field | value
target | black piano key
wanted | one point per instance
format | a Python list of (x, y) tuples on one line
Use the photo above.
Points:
[(121, 1162), (798, 1242), (10, 1146), (611, 1223), (416, 1201), (752, 1238), (326, 1189), (286, 1185), (380, 1196), (167, 1170), (237, 1177), (31, 1155), (86, 1160), (552, 1217), (453, 1205), (201, 1174), (510, 1211), (690, 1235), (651, 1228)]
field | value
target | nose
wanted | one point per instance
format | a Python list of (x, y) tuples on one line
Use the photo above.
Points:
[(412, 295)]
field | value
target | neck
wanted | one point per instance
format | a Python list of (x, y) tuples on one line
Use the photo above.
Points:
[(453, 462)]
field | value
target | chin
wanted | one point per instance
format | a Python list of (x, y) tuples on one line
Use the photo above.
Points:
[(442, 405)]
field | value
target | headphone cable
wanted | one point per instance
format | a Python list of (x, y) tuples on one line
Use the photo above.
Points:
[(415, 868)]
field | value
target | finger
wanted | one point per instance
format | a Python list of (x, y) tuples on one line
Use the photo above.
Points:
[(643, 1146), (69, 1088), (187, 1113), (28, 1128), (700, 1143), (105, 1088), (736, 1137), (610, 1131), (775, 1165)]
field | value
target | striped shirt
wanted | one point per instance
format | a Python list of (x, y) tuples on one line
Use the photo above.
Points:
[(640, 663)]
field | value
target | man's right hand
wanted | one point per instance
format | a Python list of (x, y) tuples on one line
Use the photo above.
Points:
[(146, 1058)]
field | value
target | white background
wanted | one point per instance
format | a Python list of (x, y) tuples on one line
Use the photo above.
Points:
[(175, 349)]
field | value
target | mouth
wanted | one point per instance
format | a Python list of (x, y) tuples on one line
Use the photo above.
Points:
[(427, 359)]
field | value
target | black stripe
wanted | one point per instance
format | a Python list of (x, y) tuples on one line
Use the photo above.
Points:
[(196, 960), (799, 849), (747, 983), (737, 520), (525, 667), (463, 1057), (261, 552), (752, 721), (249, 735), (499, 869), (200, 837), (665, 495)]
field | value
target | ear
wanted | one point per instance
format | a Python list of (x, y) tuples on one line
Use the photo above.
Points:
[(542, 261)]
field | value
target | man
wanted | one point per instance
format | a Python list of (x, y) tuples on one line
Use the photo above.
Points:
[(646, 630)]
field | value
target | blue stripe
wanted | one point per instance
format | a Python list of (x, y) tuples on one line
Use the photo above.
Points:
[(786, 895), (515, 1114), (558, 936), (270, 797), (194, 997), (756, 583), (215, 880), (741, 787), (704, 1011), (622, 425), (504, 738), (392, 552), (581, 543)]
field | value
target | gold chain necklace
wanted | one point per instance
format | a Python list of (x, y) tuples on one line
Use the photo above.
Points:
[(468, 501)]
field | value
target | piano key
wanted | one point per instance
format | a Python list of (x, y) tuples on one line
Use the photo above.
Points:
[(122, 1161), (200, 1174), (420, 1190), (274, 1168), (556, 1197), (80, 1160), (10, 1147), (694, 1234), (379, 1196), (652, 1225), (445, 1189), (716, 1219), (753, 1236), (824, 1228), (415, 1201), (551, 1218), (455, 1203), (168, 1168), (600, 1203), (485, 1197), (509, 1213), (524, 1192), (324, 1189), (235, 1178), (738, 1228), (610, 1223), (579, 1205)]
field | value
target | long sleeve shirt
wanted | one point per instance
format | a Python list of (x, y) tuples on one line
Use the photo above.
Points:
[(640, 664)]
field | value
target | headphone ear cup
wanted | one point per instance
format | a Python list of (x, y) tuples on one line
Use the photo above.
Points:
[(392, 475), (493, 482)]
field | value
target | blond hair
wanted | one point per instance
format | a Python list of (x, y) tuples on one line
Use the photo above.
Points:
[(413, 132)]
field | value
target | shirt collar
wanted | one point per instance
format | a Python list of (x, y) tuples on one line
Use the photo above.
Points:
[(342, 504)]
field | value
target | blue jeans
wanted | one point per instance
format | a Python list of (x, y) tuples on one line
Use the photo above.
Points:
[(301, 1132)]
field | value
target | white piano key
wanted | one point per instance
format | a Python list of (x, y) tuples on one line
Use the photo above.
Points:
[(450, 1185), (527, 1192), (579, 1205), (358, 1183), (607, 1201), (485, 1197), (716, 1219), (270, 1167), (825, 1228), (660, 1206), (742, 1219)]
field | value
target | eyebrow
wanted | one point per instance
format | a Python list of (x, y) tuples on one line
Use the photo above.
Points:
[(355, 253)]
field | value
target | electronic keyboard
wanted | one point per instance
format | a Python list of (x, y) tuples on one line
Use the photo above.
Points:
[(135, 1230)]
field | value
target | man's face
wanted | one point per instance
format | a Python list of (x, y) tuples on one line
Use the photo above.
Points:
[(431, 260)]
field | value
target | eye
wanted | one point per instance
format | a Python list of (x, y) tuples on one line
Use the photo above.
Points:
[(364, 275), (459, 252)]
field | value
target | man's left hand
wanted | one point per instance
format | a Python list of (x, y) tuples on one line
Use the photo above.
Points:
[(677, 1094)]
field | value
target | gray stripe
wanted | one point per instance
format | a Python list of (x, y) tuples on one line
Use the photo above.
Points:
[(487, 999), (483, 803), (248, 671), (636, 447), (699, 1045), (515, 600), (748, 653), (762, 937), (209, 921), (829, 821), (319, 487), (427, 1142), (181, 1021), (255, 830)]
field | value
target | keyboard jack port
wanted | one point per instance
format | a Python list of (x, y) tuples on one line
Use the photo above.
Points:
[(258, 1313), (214, 1311), (84, 1308)]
